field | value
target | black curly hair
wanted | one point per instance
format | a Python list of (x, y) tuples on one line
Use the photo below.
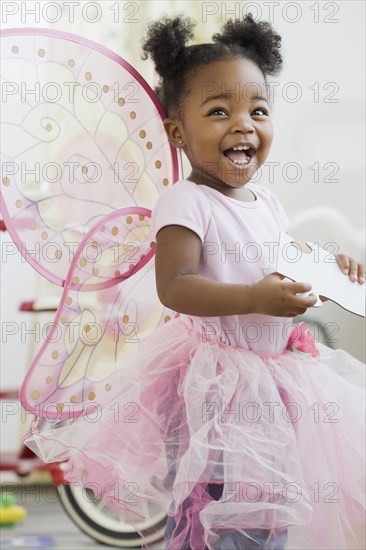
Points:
[(166, 44)]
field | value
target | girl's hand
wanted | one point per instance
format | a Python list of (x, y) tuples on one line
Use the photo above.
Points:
[(350, 267), (274, 296)]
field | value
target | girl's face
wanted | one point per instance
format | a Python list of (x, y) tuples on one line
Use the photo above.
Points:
[(224, 123)]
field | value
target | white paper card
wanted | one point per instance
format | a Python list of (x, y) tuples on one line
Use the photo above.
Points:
[(319, 268)]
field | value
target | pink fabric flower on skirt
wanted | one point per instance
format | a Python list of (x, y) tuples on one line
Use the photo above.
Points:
[(301, 341)]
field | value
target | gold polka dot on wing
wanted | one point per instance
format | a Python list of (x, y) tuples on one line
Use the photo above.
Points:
[(6, 180)]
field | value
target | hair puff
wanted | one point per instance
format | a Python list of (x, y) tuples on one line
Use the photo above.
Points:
[(166, 43), (258, 38)]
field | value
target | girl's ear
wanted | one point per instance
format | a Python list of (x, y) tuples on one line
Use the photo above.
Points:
[(173, 131)]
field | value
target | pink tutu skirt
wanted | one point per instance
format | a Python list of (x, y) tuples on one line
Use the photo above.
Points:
[(284, 435)]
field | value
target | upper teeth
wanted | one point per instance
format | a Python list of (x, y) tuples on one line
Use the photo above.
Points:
[(241, 148)]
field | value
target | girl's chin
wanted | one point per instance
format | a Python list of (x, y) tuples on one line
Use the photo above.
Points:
[(227, 173), (241, 177)]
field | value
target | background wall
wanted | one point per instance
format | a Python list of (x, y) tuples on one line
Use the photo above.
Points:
[(316, 165)]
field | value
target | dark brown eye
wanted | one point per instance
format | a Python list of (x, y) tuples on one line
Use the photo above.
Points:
[(217, 111), (262, 111)]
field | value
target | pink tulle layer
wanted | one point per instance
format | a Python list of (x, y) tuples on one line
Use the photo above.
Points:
[(283, 435)]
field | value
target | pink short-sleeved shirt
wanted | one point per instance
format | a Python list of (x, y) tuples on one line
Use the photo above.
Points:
[(239, 245)]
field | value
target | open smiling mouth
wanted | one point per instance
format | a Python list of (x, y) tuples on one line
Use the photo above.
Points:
[(240, 155)]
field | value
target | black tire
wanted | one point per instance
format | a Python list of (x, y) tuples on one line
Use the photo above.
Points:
[(103, 525)]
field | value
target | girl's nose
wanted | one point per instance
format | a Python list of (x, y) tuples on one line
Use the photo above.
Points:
[(243, 124)]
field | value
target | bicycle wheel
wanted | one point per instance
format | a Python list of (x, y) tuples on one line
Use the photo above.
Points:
[(104, 525)]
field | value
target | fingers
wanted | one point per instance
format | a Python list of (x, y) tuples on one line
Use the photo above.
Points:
[(300, 304), (298, 287), (305, 301), (350, 267), (361, 273), (295, 287), (343, 262)]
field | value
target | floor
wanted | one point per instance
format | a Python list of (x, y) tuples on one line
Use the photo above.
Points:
[(46, 518)]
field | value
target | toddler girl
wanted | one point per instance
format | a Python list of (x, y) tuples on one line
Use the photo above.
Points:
[(249, 435)]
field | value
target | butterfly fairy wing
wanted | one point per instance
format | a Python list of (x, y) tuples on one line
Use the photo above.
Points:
[(97, 332), (84, 159), (82, 136)]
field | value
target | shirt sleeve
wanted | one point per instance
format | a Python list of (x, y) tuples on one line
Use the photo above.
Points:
[(183, 204)]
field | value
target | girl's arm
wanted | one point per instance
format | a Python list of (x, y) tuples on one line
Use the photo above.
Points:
[(178, 251)]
